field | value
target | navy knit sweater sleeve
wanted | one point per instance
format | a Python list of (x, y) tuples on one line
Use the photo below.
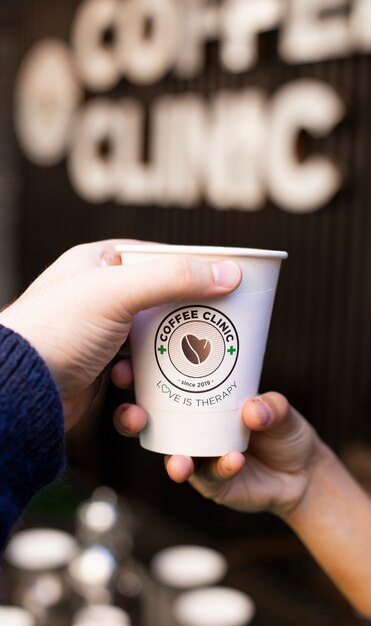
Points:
[(31, 428)]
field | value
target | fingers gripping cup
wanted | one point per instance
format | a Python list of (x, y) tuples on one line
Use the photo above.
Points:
[(196, 363)]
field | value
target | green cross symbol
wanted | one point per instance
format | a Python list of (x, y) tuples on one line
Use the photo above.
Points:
[(162, 350), (231, 350)]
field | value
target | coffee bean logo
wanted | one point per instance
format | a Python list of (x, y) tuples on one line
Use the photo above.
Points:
[(196, 350)]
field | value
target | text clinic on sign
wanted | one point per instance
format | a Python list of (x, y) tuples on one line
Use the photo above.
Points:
[(236, 149)]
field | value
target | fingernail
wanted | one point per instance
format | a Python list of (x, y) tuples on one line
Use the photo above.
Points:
[(109, 259), (226, 463), (121, 421), (226, 274), (264, 413)]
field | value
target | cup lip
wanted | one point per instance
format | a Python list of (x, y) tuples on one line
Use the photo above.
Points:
[(201, 250)]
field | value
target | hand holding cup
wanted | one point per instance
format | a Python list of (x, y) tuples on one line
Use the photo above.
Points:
[(196, 361)]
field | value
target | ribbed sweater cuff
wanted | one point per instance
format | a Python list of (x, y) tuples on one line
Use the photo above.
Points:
[(31, 427)]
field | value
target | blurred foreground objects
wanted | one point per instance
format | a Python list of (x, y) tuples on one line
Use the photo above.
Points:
[(106, 520), (176, 569), (91, 574), (101, 615), (37, 560), (213, 606), (12, 616)]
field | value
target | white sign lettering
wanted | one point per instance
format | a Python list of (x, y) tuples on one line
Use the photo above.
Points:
[(95, 62), (235, 151), (47, 95), (314, 107), (313, 33), (149, 39), (361, 26), (240, 24)]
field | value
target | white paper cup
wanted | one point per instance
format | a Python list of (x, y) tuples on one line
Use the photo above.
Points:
[(195, 364)]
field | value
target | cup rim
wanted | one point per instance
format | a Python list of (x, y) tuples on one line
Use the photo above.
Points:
[(201, 250)]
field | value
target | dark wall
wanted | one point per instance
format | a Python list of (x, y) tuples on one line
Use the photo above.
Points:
[(319, 351)]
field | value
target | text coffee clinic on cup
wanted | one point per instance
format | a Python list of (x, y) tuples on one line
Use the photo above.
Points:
[(234, 149)]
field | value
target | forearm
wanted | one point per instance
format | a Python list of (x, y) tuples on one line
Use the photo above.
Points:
[(31, 428), (334, 521)]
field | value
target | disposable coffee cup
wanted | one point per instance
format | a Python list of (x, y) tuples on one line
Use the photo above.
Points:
[(196, 363)]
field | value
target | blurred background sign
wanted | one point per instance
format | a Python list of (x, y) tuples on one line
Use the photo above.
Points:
[(233, 147), (219, 122)]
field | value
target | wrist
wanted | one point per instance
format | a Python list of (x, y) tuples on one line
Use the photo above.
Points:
[(309, 484), (18, 318)]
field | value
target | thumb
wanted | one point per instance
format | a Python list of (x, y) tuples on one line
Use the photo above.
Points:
[(167, 279), (272, 413)]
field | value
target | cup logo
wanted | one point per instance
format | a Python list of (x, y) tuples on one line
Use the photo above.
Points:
[(196, 348)]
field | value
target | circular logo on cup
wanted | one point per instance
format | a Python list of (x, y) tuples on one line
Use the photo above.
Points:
[(196, 348)]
